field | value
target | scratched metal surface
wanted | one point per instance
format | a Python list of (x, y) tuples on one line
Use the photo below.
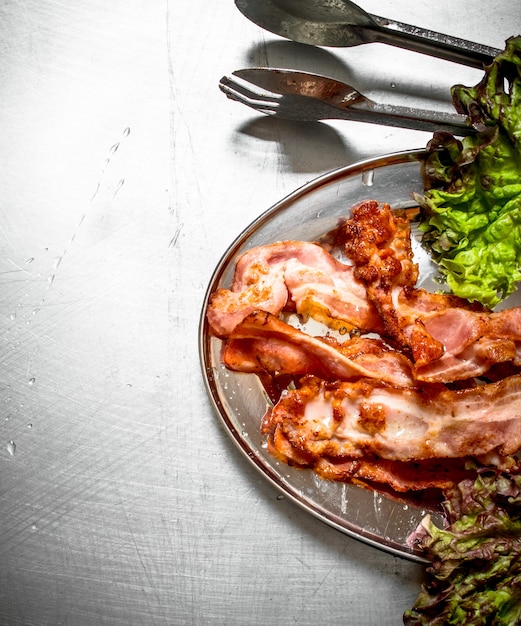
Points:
[(124, 176)]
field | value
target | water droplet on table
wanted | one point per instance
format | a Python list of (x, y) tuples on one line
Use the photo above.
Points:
[(11, 448)]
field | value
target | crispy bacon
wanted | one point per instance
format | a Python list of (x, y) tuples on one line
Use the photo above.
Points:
[(378, 240), (447, 337), (372, 471), (292, 275), (408, 416), (471, 340), (346, 420), (263, 343)]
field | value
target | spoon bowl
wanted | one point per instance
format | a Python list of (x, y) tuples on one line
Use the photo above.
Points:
[(341, 23), (335, 24)]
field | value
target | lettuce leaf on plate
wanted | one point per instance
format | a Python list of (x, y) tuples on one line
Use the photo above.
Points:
[(471, 206), (475, 572)]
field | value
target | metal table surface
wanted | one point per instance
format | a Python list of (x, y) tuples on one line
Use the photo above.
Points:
[(125, 176)]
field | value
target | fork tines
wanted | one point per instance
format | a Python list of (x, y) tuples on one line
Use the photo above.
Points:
[(262, 101)]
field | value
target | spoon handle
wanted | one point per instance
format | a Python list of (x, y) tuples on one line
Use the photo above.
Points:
[(431, 43)]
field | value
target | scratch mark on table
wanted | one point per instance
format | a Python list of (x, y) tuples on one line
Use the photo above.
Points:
[(120, 184), (112, 150), (172, 98), (321, 583), (132, 535), (173, 242)]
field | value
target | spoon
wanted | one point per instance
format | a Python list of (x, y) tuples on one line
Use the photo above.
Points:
[(340, 23)]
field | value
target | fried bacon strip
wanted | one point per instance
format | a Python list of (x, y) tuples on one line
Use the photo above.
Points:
[(472, 342), (264, 344), (363, 412), (378, 241), (368, 470), (292, 275), (372, 471), (447, 337), (353, 420)]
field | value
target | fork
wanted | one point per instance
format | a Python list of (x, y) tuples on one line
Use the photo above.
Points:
[(306, 97)]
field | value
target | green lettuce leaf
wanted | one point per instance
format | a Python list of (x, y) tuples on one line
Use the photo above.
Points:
[(475, 573), (471, 206)]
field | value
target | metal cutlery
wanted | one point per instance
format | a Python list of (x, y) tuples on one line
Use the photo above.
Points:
[(341, 23), (301, 96)]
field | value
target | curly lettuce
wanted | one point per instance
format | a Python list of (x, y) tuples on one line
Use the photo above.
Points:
[(471, 206), (475, 573)]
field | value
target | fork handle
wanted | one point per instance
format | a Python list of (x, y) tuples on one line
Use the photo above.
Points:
[(407, 117), (430, 42)]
